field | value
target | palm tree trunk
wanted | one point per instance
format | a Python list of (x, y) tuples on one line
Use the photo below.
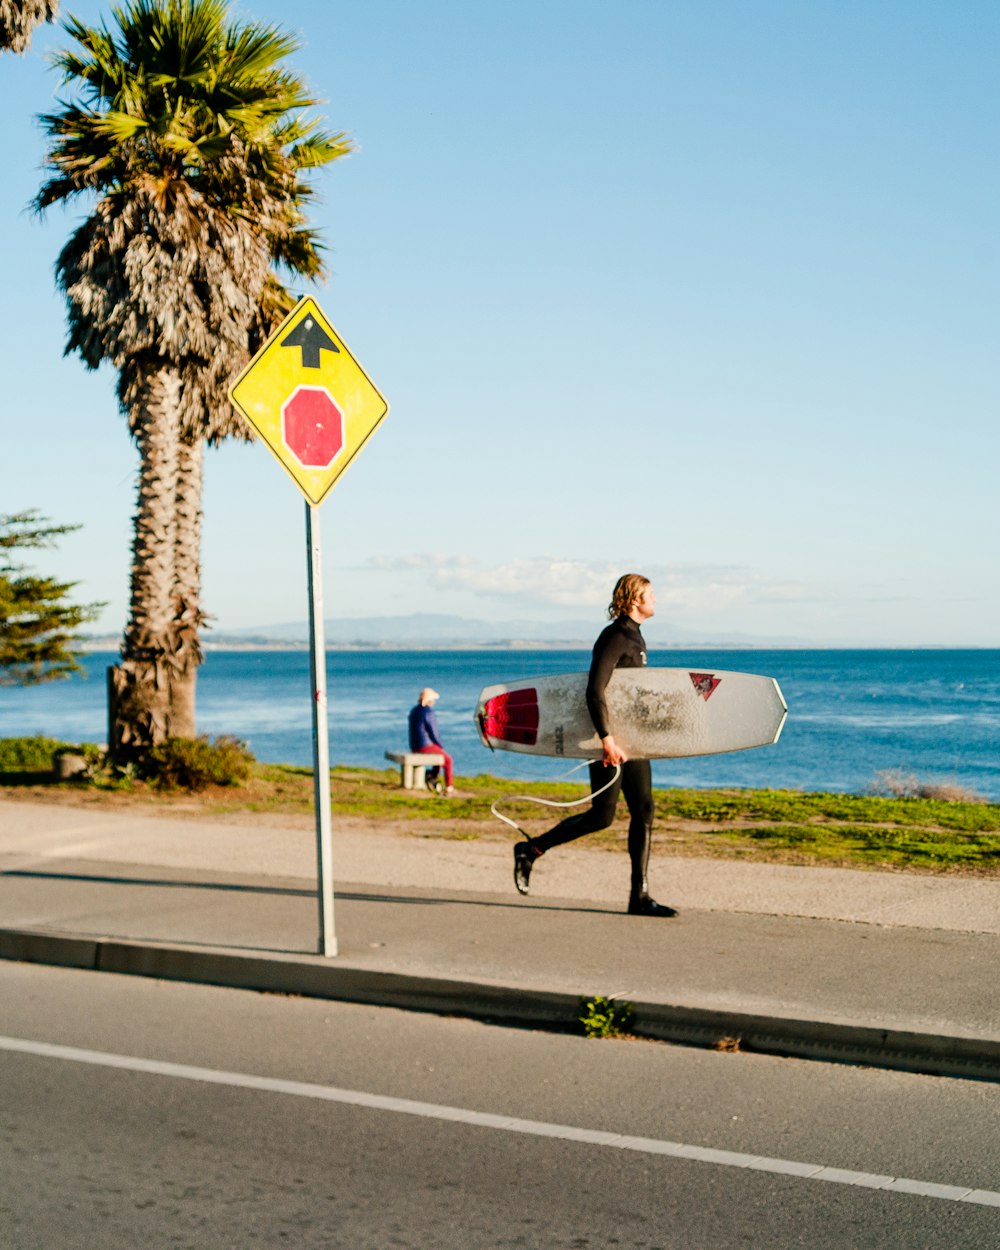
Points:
[(188, 617), (140, 685)]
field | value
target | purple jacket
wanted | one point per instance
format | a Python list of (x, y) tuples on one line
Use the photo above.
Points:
[(423, 728)]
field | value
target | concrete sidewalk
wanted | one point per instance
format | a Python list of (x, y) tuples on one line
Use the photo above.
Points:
[(884, 968)]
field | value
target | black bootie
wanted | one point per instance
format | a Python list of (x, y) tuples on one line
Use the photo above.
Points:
[(643, 905), (525, 854), (640, 836)]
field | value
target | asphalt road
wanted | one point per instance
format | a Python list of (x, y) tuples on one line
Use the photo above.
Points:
[(142, 1114)]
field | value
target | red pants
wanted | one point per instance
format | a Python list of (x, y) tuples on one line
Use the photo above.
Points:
[(432, 772)]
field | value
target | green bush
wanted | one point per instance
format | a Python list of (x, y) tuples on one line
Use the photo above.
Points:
[(194, 763), (32, 755)]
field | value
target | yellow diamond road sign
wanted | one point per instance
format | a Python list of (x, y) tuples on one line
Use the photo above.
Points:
[(309, 399)]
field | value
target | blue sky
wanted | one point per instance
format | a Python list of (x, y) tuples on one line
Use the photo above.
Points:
[(709, 292)]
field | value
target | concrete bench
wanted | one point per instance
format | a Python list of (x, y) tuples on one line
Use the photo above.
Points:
[(413, 766)]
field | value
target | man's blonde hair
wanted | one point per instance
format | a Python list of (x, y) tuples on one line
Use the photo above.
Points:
[(628, 589)]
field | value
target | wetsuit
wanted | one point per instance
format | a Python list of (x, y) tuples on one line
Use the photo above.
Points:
[(620, 645)]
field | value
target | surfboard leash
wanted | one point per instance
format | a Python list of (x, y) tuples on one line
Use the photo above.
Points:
[(530, 798)]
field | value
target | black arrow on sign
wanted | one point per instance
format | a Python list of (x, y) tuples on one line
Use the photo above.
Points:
[(312, 338)]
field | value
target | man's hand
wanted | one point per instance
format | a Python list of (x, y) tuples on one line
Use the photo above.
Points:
[(613, 754)]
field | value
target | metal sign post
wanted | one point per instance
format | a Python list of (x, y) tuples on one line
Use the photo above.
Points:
[(314, 408), (321, 738)]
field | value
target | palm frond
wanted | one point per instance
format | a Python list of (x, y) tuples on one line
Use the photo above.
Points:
[(19, 18), (253, 51), (321, 150)]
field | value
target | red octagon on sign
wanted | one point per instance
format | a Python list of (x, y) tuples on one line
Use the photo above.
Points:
[(312, 426)]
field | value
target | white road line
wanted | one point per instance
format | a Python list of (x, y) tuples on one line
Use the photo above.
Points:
[(507, 1124)]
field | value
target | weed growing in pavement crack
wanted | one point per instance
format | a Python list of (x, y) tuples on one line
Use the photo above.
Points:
[(603, 1017)]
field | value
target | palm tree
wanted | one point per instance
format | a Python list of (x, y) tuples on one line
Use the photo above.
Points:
[(196, 142), (214, 420), (18, 18)]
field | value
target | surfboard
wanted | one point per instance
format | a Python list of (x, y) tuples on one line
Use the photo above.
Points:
[(655, 713)]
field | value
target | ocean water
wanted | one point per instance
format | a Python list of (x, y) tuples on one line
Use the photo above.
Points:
[(851, 714)]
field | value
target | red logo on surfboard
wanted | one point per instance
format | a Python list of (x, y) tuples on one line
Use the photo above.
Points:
[(512, 717), (705, 684)]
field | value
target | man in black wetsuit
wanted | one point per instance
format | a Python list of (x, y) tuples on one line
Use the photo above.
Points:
[(620, 645)]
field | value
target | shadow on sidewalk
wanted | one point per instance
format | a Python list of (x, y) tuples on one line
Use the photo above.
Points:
[(353, 896), (98, 879)]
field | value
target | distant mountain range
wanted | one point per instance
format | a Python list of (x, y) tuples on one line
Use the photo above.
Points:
[(421, 629), (438, 631)]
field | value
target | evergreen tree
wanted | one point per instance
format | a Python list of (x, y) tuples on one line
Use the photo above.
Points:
[(36, 621)]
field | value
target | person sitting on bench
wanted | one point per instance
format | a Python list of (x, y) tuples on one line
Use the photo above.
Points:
[(425, 738)]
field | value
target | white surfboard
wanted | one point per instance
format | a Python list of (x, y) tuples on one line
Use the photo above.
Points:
[(655, 713)]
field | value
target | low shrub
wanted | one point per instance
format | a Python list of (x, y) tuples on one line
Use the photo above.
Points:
[(37, 754), (27, 755), (948, 792), (899, 785), (194, 763)]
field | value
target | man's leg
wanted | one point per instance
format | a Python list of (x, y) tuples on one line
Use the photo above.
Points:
[(434, 770), (637, 786), (598, 816)]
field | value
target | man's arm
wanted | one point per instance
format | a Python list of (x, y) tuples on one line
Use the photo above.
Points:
[(607, 652)]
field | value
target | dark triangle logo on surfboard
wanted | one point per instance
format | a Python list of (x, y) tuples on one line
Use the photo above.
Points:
[(705, 684)]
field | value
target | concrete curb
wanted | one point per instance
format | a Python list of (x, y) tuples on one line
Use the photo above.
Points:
[(315, 977)]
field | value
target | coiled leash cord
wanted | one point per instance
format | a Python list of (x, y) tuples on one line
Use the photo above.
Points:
[(529, 798)]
